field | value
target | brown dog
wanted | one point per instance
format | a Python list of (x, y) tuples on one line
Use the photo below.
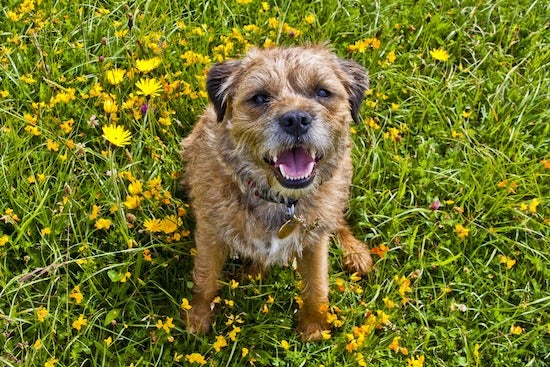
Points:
[(268, 168)]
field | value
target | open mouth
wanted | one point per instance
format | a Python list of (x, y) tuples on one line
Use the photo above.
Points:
[(294, 168)]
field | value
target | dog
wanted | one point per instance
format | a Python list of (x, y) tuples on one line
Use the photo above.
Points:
[(268, 171)]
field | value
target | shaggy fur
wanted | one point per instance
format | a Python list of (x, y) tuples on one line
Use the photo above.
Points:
[(273, 105)]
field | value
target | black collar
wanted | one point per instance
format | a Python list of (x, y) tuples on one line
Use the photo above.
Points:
[(267, 195)]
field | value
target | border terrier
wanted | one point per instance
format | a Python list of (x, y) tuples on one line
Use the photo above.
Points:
[(268, 170)]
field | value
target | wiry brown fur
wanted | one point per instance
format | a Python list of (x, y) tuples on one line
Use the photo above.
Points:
[(228, 174)]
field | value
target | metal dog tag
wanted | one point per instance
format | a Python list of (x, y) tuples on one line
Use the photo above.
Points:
[(290, 225)]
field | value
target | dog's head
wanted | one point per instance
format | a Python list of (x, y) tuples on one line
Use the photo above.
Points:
[(286, 113)]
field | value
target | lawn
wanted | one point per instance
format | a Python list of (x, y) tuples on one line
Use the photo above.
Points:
[(451, 187)]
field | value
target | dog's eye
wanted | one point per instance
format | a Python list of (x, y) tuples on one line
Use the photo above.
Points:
[(322, 93), (259, 99)]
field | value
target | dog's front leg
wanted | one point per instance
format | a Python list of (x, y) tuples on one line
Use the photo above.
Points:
[(313, 266), (207, 270)]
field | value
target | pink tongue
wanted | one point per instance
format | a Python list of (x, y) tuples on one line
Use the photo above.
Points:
[(296, 163)]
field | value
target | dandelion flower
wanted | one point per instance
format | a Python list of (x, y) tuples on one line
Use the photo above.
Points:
[(169, 224), (153, 225), (110, 106), (148, 65), (4, 239), (117, 135), (148, 87), (115, 76), (440, 54)]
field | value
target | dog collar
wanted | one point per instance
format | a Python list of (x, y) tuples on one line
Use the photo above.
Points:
[(267, 195)]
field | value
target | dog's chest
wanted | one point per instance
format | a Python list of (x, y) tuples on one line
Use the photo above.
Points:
[(273, 250)]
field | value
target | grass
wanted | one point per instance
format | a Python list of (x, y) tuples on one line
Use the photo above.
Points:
[(451, 187)]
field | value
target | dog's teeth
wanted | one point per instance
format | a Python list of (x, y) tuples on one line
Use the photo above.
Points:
[(275, 158)]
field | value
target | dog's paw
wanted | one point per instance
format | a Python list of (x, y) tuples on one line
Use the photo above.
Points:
[(312, 325), (359, 261), (198, 321), (311, 331)]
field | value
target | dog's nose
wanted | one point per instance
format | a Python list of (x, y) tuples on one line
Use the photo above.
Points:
[(296, 122)]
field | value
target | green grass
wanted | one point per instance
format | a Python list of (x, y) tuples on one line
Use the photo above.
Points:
[(471, 132)]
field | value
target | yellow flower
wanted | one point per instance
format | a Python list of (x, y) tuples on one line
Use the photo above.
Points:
[(309, 19), (132, 201), (33, 130), (4, 239), (233, 333), (37, 344), (440, 54), (117, 135), (219, 343), (95, 212), (185, 304), (102, 223), (115, 76), (153, 225), (135, 188), (148, 65), (394, 345), (108, 341), (462, 231), (75, 293), (467, 114), (41, 314), (388, 303), (52, 145), (195, 358), (533, 205), (390, 58), (169, 224), (285, 345), (415, 362), (233, 284), (110, 106), (507, 261), (81, 321), (51, 362), (147, 255), (244, 352), (148, 87), (516, 330)]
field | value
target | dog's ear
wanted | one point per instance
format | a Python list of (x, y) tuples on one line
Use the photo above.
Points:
[(219, 83), (357, 84)]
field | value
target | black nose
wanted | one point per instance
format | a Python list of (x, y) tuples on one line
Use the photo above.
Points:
[(296, 122)]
